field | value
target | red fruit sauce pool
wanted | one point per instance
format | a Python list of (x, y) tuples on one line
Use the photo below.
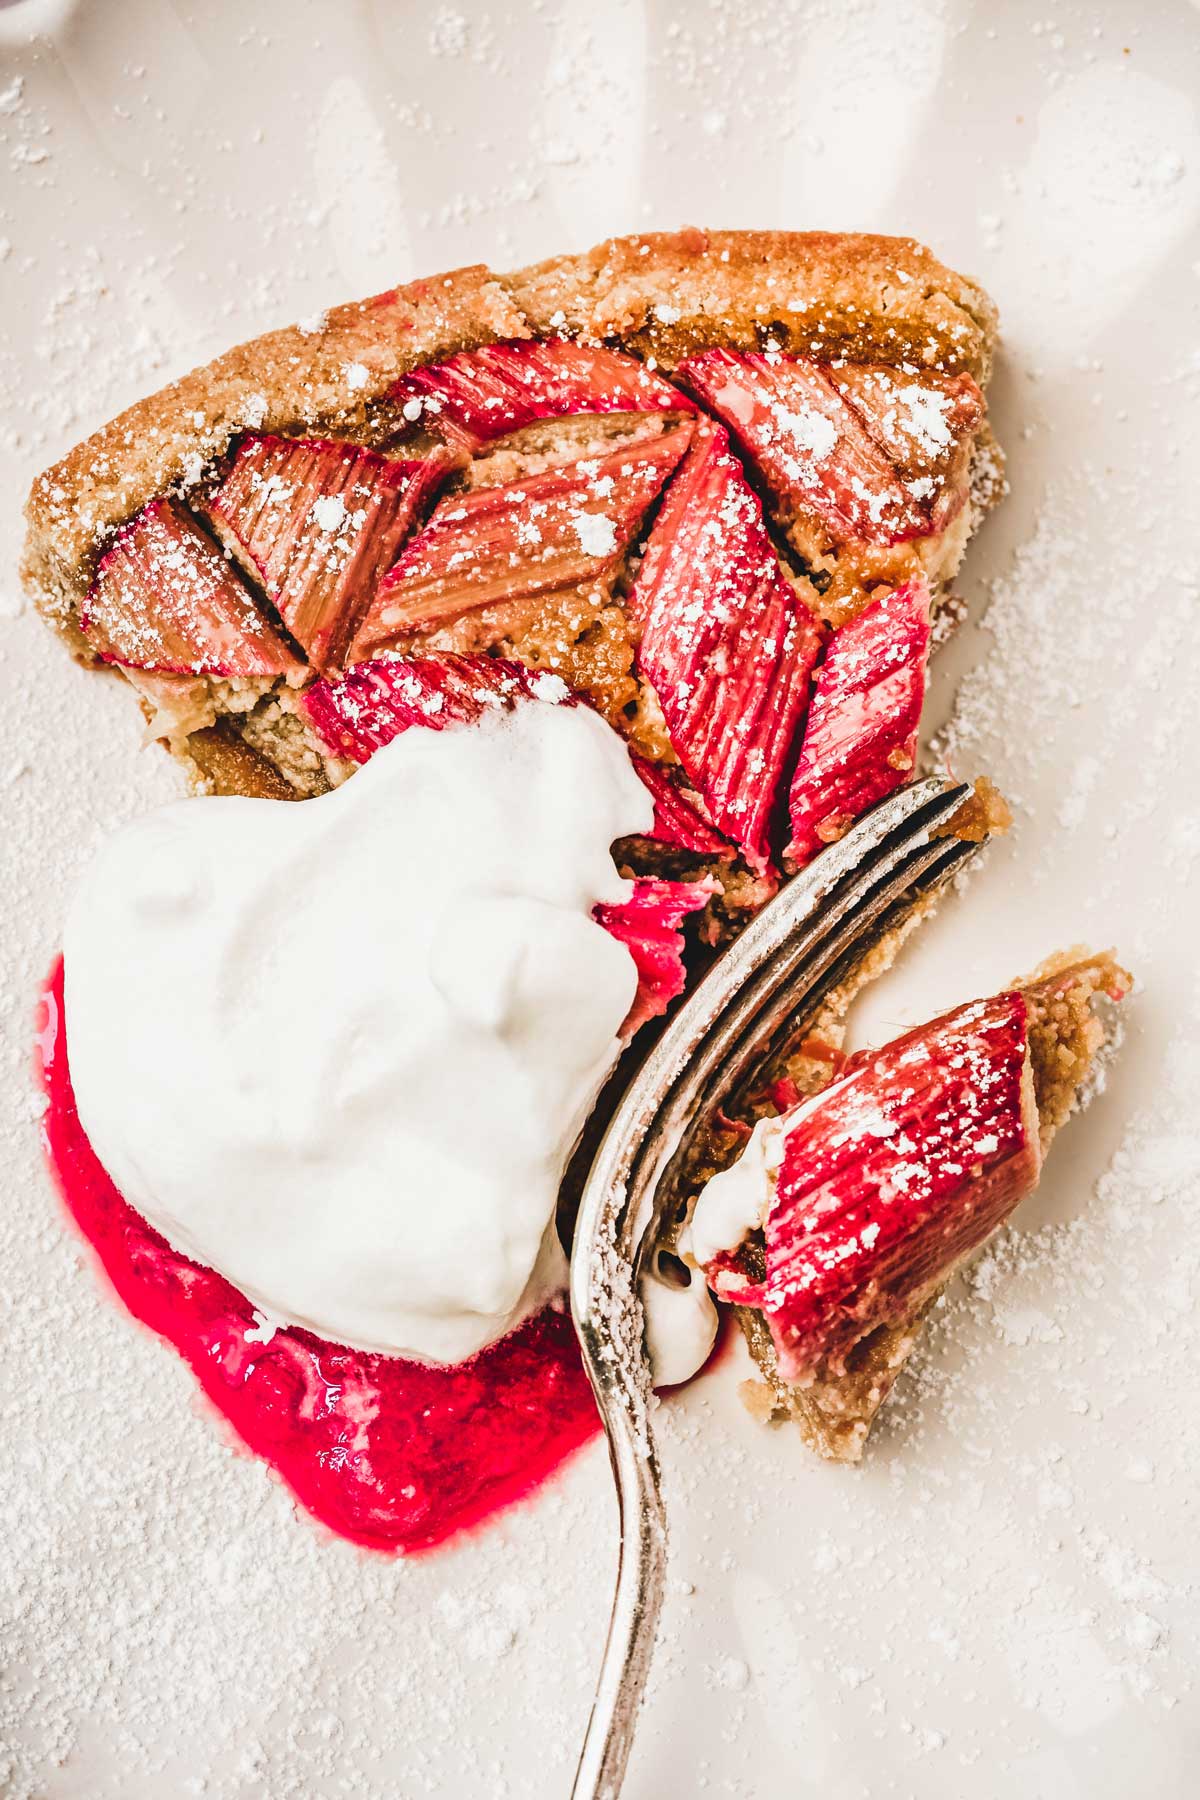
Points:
[(395, 1455)]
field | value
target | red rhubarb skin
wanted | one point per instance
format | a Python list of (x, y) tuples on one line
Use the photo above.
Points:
[(648, 925), (860, 737), (166, 600), (679, 822), (811, 445), (321, 582), (393, 1455), (480, 395), (873, 390), (375, 701), (924, 1146), (518, 539), (726, 644)]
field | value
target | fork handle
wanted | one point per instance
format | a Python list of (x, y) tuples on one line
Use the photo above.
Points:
[(784, 961), (637, 1603)]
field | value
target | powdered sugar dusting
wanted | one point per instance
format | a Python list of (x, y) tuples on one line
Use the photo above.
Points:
[(996, 1602)]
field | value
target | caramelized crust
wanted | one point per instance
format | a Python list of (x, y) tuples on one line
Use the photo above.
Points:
[(816, 293), (227, 763), (836, 1413)]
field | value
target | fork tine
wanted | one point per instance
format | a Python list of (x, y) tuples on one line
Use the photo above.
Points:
[(773, 977), (792, 983)]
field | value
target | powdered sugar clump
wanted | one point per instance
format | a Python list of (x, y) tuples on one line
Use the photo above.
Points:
[(597, 534), (329, 511)]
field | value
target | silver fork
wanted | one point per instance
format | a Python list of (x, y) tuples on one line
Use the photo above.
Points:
[(757, 997)]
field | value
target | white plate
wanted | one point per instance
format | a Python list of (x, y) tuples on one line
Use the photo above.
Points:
[(999, 1602)]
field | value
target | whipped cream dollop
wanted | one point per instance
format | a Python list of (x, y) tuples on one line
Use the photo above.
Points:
[(340, 1051), (681, 1318), (736, 1200)]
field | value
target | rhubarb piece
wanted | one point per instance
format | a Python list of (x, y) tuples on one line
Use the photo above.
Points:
[(835, 1409), (568, 525), (648, 923), (811, 446), (860, 741), (480, 395), (925, 424), (680, 822), (165, 599), (727, 645), (890, 1178), (375, 701), (319, 523)]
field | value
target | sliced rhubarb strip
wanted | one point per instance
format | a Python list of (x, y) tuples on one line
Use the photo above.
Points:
[(648, 923), (890, 1177), (375, 701), (726, 644), (165, 598), (680, 821), (480, 395), (564, 526), (860, 741), (924, 423), (320, 523), (809, 443)]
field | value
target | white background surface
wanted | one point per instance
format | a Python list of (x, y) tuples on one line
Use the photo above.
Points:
[(1001, 1601)]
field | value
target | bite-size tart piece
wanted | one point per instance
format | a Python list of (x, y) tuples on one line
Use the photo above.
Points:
[(849, 1209)]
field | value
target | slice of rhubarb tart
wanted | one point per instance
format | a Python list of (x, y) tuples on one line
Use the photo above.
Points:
[(713, 487)]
